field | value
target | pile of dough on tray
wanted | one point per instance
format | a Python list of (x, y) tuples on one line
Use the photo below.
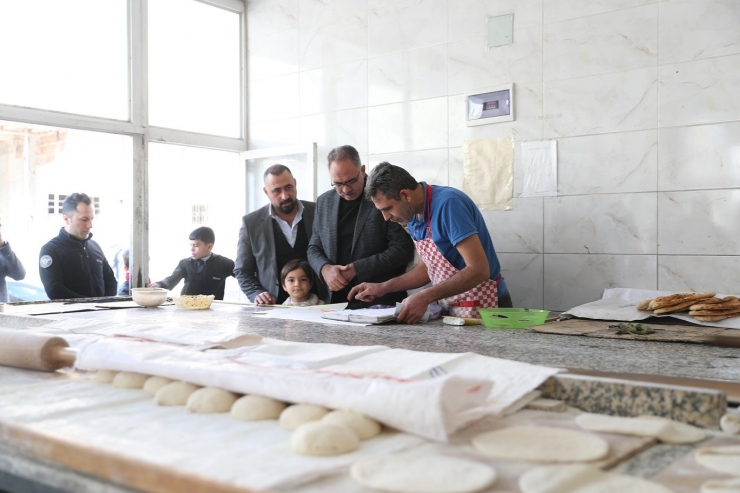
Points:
[(704, 307)]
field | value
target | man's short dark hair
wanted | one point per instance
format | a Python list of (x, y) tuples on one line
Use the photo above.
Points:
[(276, 170), (341, 153), (389, 180), (204, 234), (69, 206), (294, 264)]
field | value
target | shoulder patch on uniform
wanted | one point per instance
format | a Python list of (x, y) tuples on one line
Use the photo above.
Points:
[(45, 261)]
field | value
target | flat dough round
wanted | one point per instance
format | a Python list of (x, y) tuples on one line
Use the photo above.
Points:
[(363, 426), (730, 423), (721, 486), (211, 400), (129, 380), (256, 408), (105, 376), (153, 384), (296, 415), (174, 394), (541, 443), (665, 430), (319, 438), (583, 478), (724, 459), (422, 473)]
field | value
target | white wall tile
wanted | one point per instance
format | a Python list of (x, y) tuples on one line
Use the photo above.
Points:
[(332, 88), (311, 11), (473, 66), (699, 223), (698, 273), (691, 29), (273, 55), (271, 16), (406, 25), (611, 42), (371, 4), (411, 126), (275, 133), (703, 156), (560, 10), (608, 163), (429, 166), (527, 124), (518, 230), (606, 223), (407, 75), (601, 104), (469, 18), (702, 91), (572, 280), (275, 98), (524, 275), (324, 44), (456, 171), (330, 130)]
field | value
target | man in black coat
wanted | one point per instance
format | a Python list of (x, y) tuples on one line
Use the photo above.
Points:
[(72, 265), (352, 242), (10, 266)]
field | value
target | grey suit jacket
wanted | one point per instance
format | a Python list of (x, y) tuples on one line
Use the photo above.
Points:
[(256, 266), (380, 249)]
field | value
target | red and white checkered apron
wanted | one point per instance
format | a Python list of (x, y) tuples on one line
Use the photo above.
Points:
[(484, 295)]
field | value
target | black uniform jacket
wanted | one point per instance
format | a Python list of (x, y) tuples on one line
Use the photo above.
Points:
[(199, 278), (74, 268)]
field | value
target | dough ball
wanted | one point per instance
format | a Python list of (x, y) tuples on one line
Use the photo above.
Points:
[(105, 376), (129, 380), (422, 473), (296, 415), (724, 459), (665, 430), (541, 443), (721, 486), (211, 400), (363, 426), (174, 394), (256, 408), (153, 384), (730, 423), (583, 478), (319, 438)]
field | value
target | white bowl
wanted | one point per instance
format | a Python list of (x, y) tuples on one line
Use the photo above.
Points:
[(149, 297)]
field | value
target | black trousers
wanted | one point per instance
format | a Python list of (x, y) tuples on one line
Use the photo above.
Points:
[(504, 300)]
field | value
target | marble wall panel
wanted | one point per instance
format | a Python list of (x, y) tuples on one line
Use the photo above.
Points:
[(560, 10), (691, 29), (274, 133), (699, 222), (518, 230), (468, 18), (410, 126), (324, 44), (408, 75), (429, 166), (333, 88), (273, 55), (406, 25), (333, 129), (699, 273), (275, 98), (601, 104), (271, 16), (605, 43), (608, 163), (606, 223), (701, 91), (327, 11), (456, 169), (524, 275), (572, 280), (701, 156), (473, 66)]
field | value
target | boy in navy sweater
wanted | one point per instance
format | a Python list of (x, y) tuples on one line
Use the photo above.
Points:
[(204, 272)]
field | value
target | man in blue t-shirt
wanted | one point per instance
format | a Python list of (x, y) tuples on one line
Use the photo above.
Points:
[(453, 242)]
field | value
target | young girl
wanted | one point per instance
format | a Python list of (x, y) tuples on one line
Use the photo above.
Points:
[(297, 279)]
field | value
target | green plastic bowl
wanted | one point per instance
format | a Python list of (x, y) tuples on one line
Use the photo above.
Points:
[(512, 318)]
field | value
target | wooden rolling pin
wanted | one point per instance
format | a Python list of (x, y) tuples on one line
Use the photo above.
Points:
[(34, 351)]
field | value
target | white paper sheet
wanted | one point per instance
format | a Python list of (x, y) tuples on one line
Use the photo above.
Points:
[(305, 316), (539, 169)]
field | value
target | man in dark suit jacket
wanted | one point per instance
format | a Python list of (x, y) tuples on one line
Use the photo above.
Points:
[(271, 237), (351, 241)]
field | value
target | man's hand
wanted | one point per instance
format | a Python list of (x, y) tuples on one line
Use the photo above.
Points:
[(265, 299), (153, 285), (348, 272), (367, 291), (332, 274), (414, 308)]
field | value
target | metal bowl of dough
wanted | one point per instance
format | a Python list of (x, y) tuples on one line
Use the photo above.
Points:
[(149, 297)]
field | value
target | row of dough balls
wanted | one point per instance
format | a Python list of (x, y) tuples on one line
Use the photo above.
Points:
[(316, 429)]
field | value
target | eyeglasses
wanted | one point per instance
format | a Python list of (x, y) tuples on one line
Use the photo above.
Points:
[(348, 183)]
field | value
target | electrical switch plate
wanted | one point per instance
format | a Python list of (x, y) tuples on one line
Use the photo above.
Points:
[(500, 30)]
